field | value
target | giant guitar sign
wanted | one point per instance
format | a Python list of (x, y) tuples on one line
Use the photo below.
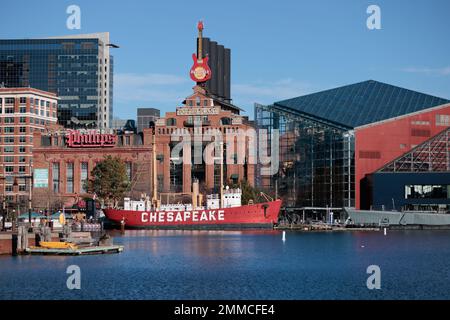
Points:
[(200, 71)]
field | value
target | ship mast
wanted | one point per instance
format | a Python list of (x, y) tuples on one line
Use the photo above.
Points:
[(221, 174), (155, 184)]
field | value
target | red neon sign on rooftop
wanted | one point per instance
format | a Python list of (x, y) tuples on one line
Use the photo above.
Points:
[(76, 139)]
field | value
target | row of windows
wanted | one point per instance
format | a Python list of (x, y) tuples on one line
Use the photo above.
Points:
[(9, 187), (10, 120), (11, 129), (427, 191), (70, 176), (11, 140), (23, 100), (198, 102), (10, 169), (10, 159), (36, 111), (10, 149), (190, 130)]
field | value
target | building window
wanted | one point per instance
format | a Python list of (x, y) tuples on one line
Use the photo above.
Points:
[(8, 149), (427, 191), (22, 187), (9, 120), (442, 120), (22, 159), (9, 140), (420, 132), (8, 159), (9, 110), (83, 177), (127, 140), (197, 101), (23, 100), (9, 129), (9, 169), (23, 139), (23, 109), (171, 122), (9, 188), (69, 177), (22, 169), (9, 100), (23, 129), (23, 120), (55, 177), (369, 154)]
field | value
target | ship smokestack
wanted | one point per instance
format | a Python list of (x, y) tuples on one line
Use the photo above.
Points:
[(195, 194)]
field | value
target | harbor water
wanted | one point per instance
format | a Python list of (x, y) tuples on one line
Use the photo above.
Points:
[(204, 265)]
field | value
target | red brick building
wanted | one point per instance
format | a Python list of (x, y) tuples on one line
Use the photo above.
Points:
[(23, 112), (201, 114), (64, 159)]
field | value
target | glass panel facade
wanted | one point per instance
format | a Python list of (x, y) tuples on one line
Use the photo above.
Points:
[(316, 160), (68, 67)]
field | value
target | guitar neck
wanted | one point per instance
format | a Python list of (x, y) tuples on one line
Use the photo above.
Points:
[(200, 42)]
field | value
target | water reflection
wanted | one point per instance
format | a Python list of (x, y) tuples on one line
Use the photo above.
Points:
[(189, 264)]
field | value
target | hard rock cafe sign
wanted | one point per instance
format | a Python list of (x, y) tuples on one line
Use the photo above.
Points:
[(200, 71), (90, 139)]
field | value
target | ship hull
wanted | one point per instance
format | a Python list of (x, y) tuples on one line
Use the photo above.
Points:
[(396, 219), (261, 215)]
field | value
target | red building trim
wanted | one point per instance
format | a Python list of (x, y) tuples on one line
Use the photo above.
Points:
[(379, 143)]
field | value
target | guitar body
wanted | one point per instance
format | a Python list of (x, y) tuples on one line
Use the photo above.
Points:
[(200, 71)]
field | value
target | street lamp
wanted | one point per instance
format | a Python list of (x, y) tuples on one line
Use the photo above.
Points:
[(3, 197), (30, 191), (15, 185)]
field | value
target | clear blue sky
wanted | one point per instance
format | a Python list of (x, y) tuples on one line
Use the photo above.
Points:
[(280, 49)]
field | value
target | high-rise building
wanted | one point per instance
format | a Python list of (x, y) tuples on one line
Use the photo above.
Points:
[(145, 116), (77, 68), (220, 63), (23, 111)]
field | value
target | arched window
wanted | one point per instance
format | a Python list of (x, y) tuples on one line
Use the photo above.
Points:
[(225, 121), (171, 122), (197, 101)]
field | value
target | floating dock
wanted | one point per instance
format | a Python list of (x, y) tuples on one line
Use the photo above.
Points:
[(75, 252)]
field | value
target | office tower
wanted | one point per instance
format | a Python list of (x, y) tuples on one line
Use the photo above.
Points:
[(145, 116), (77, 68)]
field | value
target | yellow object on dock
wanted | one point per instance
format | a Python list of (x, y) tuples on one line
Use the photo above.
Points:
[(57, 245)]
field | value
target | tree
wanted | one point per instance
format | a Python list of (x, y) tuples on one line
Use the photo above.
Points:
[(109, 180), (248, 192)]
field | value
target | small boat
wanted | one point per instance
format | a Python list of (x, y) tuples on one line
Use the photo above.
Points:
[(57, 245)]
